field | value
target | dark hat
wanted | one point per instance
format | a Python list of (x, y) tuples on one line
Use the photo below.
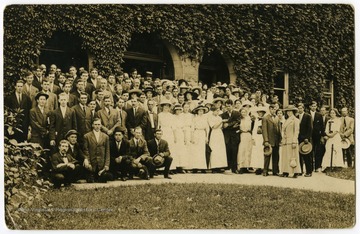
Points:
[(200, 107), (71, 132), (305, 148), (194, 95), (150, 89), (38, 95), (120, 129), (158, 160), (267, 150), (219, 99)]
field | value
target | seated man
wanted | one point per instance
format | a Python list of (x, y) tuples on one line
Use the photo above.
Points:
[(75, 150), (97, 154), (65, 167), (120, 162), (160, 147), (139, 151)]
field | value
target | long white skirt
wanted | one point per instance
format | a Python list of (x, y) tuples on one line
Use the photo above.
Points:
[(218, 154), (257, 154), (244, 152), (198, 157), (337, 159)]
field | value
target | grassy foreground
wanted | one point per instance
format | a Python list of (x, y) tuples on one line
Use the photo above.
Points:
[(342, 173), (190, 206)]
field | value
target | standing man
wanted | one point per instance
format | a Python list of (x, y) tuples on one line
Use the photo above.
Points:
[(347, 131), (39, 121), (231, 122), (122, 113), (272, 137), (61, 121), (97, 154), (109, 117), (305, 136), (29, 88), (19, 100), (82, 113), (158, 146), (136, 117), (151, 121), (317, 128), (52, 101)]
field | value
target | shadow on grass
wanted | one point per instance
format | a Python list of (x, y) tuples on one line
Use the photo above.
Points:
[(190, 206)]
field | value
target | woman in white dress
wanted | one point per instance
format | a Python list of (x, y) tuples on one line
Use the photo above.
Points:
[(218, 160), (245, 146), (199, 138), (290, 160), (178, 154), (332, 131), (165, 123), (257, 153), (187, 119), (280, 115)]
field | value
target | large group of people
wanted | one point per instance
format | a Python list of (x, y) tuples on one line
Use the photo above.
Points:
[(125, 125)]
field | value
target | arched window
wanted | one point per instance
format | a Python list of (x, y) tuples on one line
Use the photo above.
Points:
[(213, 68)]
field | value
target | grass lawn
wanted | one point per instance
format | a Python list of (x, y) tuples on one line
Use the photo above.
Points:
[(190, 206), (342, 173)]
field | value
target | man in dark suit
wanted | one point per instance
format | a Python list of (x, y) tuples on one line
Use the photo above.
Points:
[(139, 151), (136, 117), (317, 128), (158, 146), (231, 120), (53, 88), (325, 118), (37, 78), (305, 136), (19, 100), (151, 121), (82, 113), (123, 114), (39, 121), (97, 154), (65, 169), (272, 137), (61, 121), (75, 150), (120, 161), (29, 89), (73, 100)]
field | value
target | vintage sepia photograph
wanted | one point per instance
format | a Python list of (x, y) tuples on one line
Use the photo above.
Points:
[(179, 116)]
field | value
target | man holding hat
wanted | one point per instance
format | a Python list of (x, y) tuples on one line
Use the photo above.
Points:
[(160, 148), (39, 121), (347, 132), (75, 150), (272, 137), (305, 138)]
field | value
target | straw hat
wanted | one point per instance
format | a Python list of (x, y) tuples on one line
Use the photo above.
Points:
[(267, 150), (305, 148), (345, 143), (200, 107)]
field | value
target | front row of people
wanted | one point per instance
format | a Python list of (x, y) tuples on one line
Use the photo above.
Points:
[(102, 159)]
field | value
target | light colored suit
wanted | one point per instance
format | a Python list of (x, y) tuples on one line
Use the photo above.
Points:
[(30, 91), (51, 102), (108, 121), (97, 152), (347, 128)]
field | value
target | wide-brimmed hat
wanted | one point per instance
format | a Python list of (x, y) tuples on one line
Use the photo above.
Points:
[(291, 108), (38, 95), (177, 107), (194, 95), (183, 85), (137, 91), (236, 90), (345, 143), (261, 108), (305, 148), (165, 102), (149, 89), (158, 160), (247, 103), (71, 132), (196, 88), (200, 107), (219, 99), (267, 150)]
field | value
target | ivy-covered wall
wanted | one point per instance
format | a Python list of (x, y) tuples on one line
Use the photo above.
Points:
[(310, 42)]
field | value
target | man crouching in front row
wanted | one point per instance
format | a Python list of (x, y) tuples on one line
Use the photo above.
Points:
[(65, 168)]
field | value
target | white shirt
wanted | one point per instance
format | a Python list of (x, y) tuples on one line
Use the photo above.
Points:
[(63, 111), (152, 119), (301, 116), (118, 144), (18, 95), (312, 115), (41, 109), (97, 135)]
